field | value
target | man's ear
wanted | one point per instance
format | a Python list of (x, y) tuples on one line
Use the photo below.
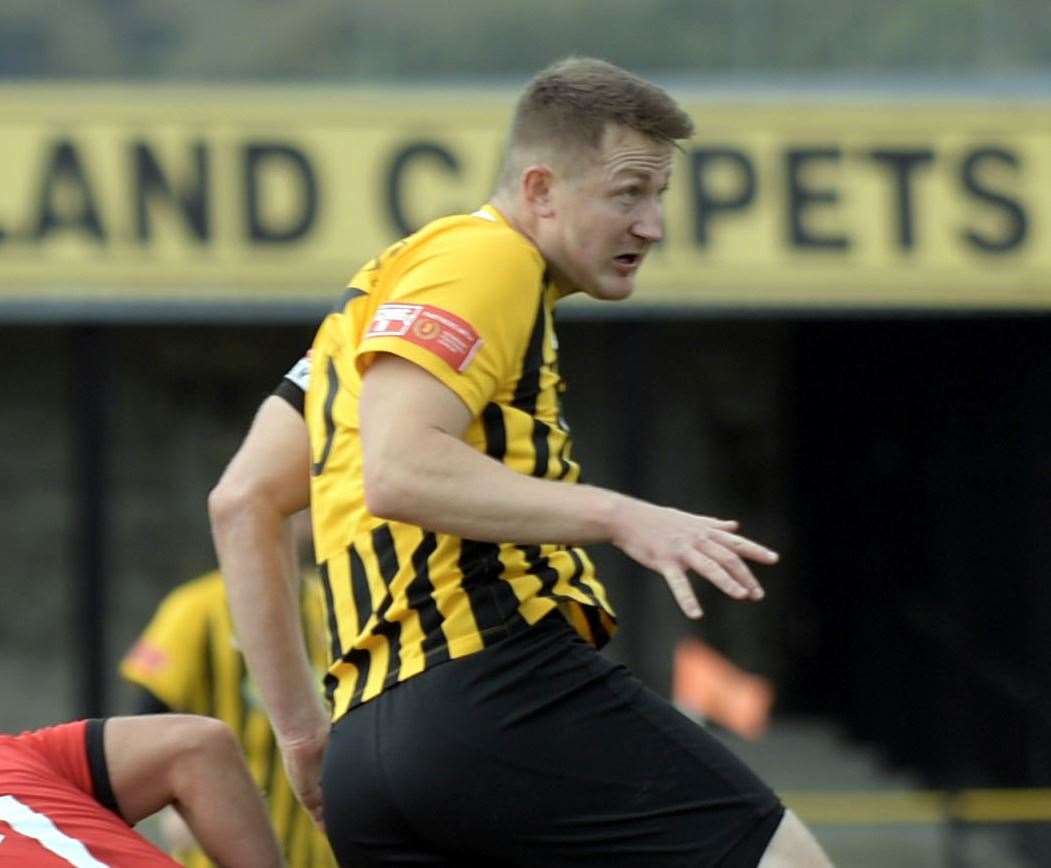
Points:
[(537, 187)]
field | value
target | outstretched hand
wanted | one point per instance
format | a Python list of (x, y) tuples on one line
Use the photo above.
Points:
[(675, 544)]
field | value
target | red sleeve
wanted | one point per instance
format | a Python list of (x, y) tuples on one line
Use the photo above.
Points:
[(65, 750)]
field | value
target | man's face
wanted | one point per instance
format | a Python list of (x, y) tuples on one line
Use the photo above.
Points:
[(606, 213)]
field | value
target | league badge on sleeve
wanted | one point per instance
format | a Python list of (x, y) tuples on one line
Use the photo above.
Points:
[(147, 658), (445, 334)]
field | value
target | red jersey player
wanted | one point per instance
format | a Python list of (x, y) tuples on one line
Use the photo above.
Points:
[(70, 793)]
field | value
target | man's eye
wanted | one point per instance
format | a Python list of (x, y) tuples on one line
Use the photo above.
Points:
[(629, 192)]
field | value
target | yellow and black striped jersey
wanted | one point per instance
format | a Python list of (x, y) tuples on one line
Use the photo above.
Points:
[(466, 298), (188, 658)]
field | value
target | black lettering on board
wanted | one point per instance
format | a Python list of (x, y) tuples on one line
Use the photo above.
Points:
[(258, 159), (151, 183), (707, 203), (1016, 221), (66, 200), (403, 158), (902, 163), (802, 198)]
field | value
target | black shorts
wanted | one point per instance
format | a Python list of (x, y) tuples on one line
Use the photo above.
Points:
[(537, 751)]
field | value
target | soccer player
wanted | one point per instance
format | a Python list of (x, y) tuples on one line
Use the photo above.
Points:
[(474, 721), (69, 794)]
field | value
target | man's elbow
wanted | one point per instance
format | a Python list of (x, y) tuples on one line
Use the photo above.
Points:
[(388, 493), (221, 506), (227, 502)]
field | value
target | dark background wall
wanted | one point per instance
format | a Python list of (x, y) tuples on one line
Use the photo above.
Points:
[(921, 507)]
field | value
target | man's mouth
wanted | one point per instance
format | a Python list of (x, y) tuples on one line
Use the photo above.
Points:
[(628, 261)]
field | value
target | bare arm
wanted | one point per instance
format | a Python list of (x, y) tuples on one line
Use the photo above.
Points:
[(195, 764), (419, 470), (267, 481)]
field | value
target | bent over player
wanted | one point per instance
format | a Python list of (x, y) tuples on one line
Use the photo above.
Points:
[(475, 723), (70, 793)]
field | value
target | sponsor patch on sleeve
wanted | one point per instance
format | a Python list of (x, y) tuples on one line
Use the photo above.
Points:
[(147, 657), (446, 335)]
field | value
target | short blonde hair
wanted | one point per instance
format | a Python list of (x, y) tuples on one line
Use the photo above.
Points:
[(566, 108)]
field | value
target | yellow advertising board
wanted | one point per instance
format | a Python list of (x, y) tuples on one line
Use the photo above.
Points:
[(152, 194)]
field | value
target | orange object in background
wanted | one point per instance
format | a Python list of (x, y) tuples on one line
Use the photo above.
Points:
[(706, 684)]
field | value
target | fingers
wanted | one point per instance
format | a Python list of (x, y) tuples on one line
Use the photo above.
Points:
[(719, 558), (729, 575), (303, 767), (720, 523), (745, 548), (312, 802), (318, 816), (682, 590), (675, 544), (730, 550)]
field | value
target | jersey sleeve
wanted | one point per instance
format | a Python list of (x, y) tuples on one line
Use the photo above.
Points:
[(293, 386), (170, 658), (65, 750), (462, 308)]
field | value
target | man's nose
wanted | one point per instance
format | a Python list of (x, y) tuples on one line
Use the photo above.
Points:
[(650, 223)]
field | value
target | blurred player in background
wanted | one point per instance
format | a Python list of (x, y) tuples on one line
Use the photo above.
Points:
[(474, 722), (69, 794), (187, 660)]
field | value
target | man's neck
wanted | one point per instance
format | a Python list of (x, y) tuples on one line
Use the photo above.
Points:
[(524, 223), (516, 218)]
